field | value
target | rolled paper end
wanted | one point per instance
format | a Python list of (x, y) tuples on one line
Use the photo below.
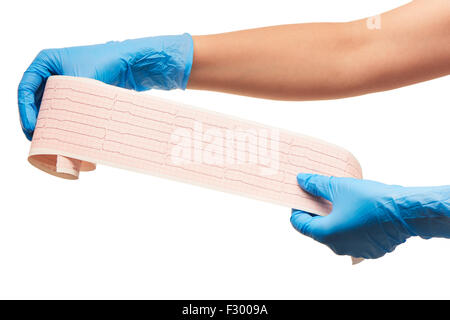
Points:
[(357, 260), (68, 166), (60, 166)]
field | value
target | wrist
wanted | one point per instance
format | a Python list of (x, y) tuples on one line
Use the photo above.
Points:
[(204, 61), (426, 211)]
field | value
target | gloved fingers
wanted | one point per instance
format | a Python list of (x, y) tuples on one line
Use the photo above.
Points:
[(304, 222), (29, 96), (317, 185)]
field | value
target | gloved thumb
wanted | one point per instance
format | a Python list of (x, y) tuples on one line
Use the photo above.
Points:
[(304, 222), (317, 185)]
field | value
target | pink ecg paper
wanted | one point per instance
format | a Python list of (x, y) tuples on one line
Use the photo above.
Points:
[(84, 122)]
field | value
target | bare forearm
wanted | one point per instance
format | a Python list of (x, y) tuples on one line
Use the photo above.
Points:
[(327, 60)]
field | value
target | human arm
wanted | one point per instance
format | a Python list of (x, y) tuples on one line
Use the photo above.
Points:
[(292, 62), (328, 60), (370, 219)]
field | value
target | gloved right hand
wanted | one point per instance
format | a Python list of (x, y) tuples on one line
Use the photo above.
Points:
[(157, 62), (369, 219)]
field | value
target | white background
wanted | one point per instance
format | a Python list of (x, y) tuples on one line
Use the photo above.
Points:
[(117, 234)]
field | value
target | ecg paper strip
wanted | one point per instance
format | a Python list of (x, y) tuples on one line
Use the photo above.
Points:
[(84, 122)]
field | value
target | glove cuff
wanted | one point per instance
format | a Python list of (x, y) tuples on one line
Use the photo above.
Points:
[(162, 62), (427, 211), (189, 57)]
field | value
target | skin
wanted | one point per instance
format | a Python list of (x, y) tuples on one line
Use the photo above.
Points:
[(327, 60)]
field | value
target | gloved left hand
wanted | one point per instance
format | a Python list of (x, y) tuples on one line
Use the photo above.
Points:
[(157, 62)]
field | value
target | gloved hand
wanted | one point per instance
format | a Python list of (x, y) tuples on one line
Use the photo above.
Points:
[(369, 219), (141, 64)]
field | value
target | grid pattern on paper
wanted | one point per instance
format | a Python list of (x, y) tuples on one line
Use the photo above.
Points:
[(89, 120)]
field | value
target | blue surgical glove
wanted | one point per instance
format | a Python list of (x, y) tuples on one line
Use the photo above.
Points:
[(369, 219), (157, 62)]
